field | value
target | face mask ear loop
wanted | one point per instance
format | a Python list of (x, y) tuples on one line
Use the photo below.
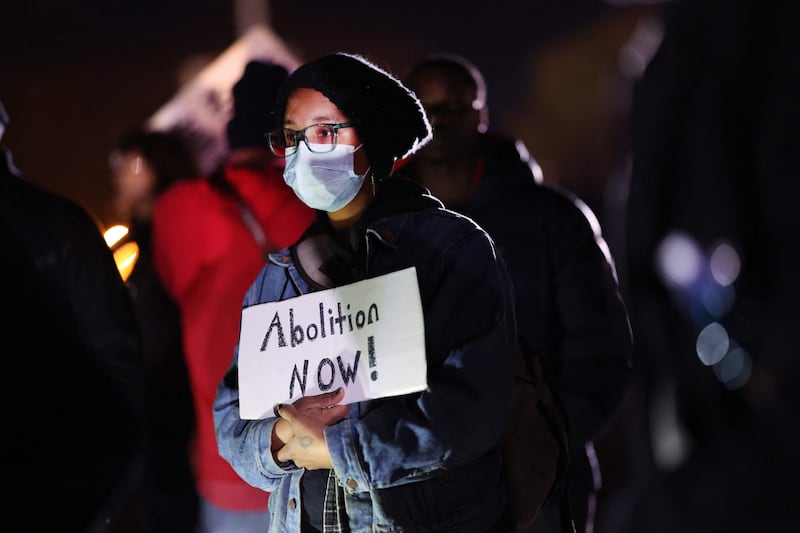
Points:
[(368, 171), (372, 180)]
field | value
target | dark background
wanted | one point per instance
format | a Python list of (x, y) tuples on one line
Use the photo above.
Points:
[(76, 75)]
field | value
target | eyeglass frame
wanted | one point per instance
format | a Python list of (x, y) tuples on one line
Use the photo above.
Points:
[(302, 134)]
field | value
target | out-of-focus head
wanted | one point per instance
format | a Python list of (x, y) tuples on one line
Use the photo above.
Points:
[(143, 164), (254, 97), (388, 118), (453, 92)]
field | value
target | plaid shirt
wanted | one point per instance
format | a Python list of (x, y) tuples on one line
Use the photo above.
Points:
[(334, 517)]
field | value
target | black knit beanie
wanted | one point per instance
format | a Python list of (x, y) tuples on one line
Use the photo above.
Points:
[(253, 101), (388, 117)]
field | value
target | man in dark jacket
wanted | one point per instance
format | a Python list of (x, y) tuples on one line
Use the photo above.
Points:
[(74, 394), (569, 308)]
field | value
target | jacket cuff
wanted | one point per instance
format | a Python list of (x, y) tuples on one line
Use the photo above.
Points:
[(345, 458)]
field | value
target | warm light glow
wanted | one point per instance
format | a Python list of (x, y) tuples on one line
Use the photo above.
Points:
[(125, 257), (126, 254), (114, 234)]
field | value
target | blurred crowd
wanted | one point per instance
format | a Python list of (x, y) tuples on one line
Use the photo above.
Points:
[(661, 299)]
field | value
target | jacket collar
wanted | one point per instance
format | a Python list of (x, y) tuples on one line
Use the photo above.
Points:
[(396, 200), (383, 221)]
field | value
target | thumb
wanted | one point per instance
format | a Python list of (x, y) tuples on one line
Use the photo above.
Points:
[(332, 398)]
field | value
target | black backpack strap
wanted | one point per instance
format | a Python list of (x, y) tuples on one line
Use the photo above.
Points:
[(556, 415)]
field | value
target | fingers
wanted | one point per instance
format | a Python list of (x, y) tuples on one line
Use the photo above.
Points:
[(286, 411), (282, 432), (284, 454), (307, 447), (321, 401), (327, 414), (324, 408), (333, 414)]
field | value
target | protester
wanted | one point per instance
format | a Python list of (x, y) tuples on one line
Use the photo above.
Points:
[(210, 239), (420, 461), (568, 304), (74, 363), (144, 164)]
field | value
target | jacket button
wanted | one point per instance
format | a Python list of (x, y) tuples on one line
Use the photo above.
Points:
[(352, 483), (292, 504)]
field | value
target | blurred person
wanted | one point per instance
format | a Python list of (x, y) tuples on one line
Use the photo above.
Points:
[(414, 462), (712, 240), (143, 165), (71, 339), (210, 239), (568, 303)]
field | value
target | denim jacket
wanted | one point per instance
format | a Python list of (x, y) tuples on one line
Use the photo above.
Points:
[(427, 461)]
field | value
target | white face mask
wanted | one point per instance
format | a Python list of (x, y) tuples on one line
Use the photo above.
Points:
[(323, 181)]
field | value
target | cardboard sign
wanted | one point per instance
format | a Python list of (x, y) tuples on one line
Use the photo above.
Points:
[(202, 107), (368, 337)]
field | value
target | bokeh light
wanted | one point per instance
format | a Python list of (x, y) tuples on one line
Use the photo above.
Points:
[(114, 234), (725, 264), (712, 344), (735, 369), (679, 260), (717, 300)]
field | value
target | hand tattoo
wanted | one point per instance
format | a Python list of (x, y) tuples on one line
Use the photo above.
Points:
[(305, 441)]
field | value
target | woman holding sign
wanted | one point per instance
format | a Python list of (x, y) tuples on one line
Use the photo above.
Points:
[(427, 460)]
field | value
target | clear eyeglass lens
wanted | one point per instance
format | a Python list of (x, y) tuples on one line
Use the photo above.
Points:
[(320, 138), (278, 143)]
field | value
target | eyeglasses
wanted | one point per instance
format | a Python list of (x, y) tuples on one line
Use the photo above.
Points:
[(319, 138)]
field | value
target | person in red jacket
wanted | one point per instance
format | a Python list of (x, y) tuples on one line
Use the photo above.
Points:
[(210, 239)]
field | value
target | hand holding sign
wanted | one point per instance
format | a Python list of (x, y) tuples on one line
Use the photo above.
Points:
[(367, 337), (324, 408), (308, 418)]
